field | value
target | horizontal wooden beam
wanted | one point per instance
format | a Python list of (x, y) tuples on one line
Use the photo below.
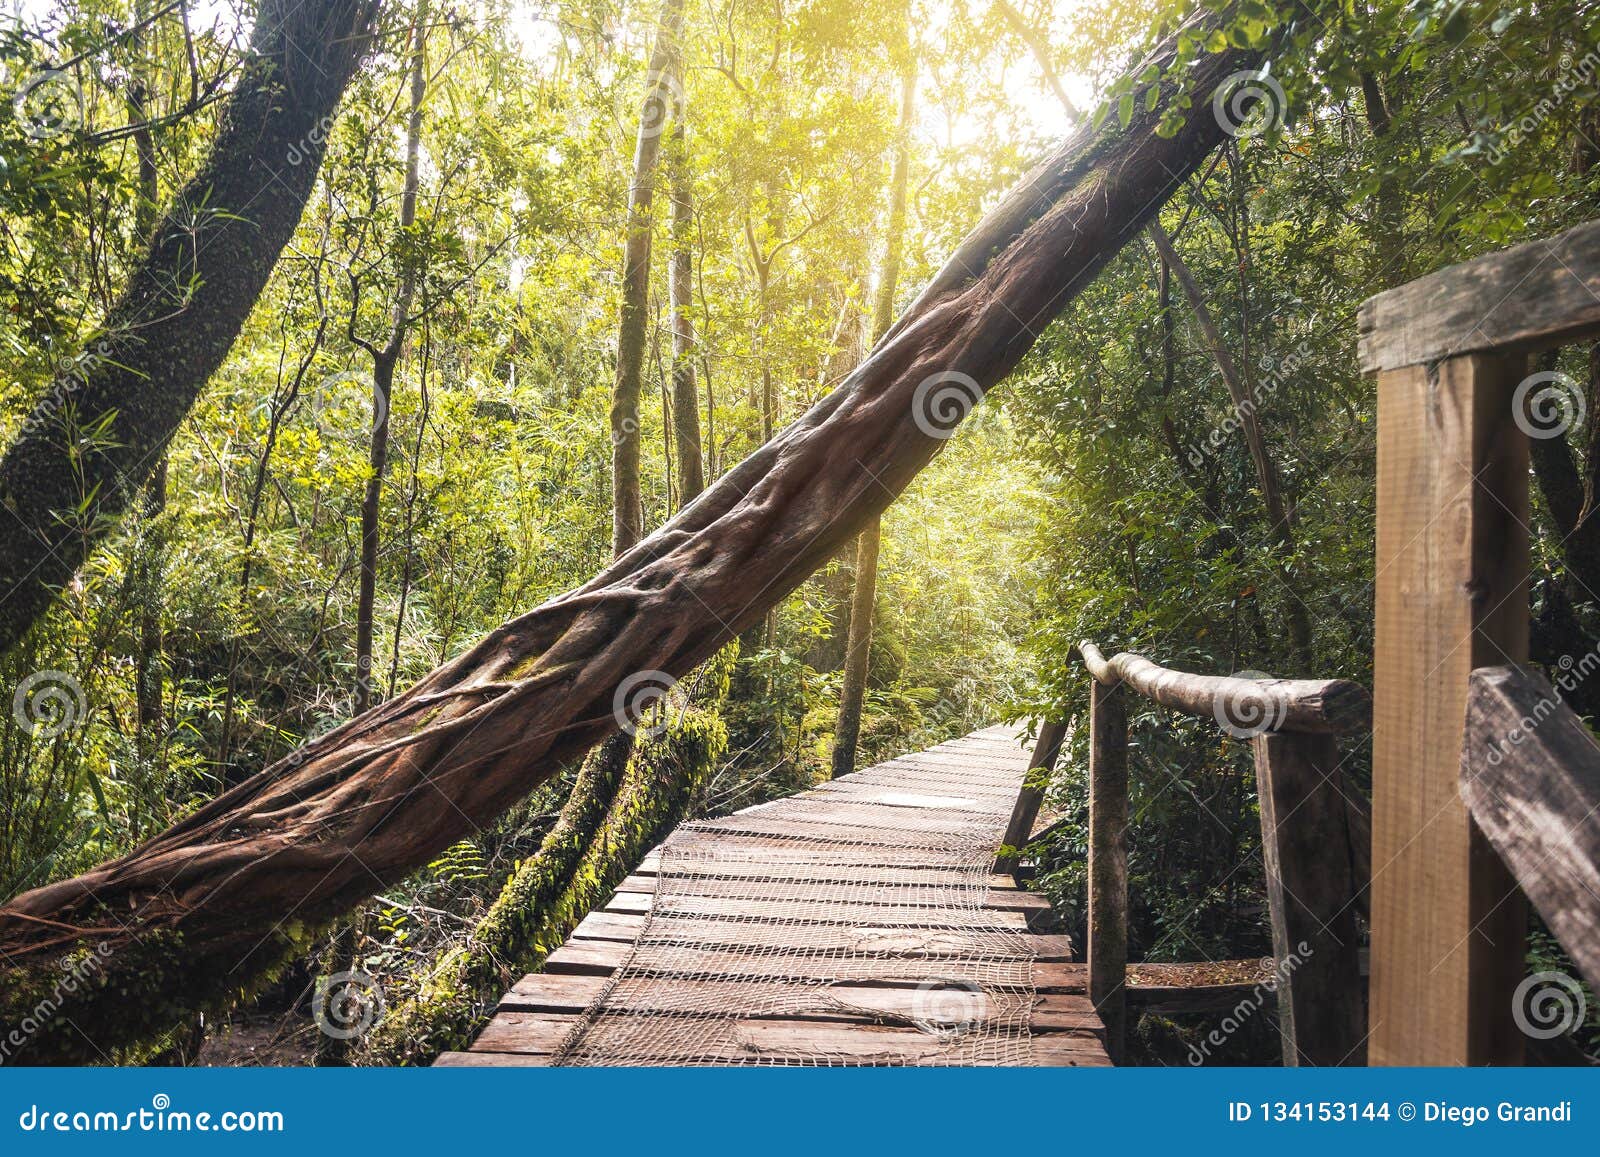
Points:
[(1243, 706), (1534, 296), (1530, 775)]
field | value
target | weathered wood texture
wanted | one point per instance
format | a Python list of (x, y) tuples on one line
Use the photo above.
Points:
[(1029, 800), (1452, 564), (1108, 860), (1311, 889), (1334, 706), (1530, 776), (869, 906), (1541, 294)]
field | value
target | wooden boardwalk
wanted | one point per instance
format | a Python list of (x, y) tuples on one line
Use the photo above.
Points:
[(924, 796)]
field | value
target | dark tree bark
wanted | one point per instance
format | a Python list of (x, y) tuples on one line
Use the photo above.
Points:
[(181, 309), (197, 914), (863, 600), (627, 502)]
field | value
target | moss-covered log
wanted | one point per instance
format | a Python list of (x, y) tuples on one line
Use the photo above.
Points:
[(575, 869), (234, 886)]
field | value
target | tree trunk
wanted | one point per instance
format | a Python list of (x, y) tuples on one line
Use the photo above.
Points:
[(685, 402), (858, 647), (1244, 408), (167, 335), (627, 501), (204, 910), (384, 362)]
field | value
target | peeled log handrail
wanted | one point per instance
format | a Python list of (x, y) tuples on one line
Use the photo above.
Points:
[(1308, 815), (1321, 706)]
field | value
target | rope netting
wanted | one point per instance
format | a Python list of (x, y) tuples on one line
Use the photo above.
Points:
[(773, 934)]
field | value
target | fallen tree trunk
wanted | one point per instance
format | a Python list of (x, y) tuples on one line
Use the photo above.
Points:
[(90, 444), (197, 914)]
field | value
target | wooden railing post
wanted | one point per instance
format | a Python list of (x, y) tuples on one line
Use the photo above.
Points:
[(1448, 923), (1311, 891), (1031, 797), (1108, 860)]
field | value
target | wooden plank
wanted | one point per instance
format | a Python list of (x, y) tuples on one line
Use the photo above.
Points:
[(1108, 859), (837, 905), (805, 913), (1182, 999), (556, 991), (1530, 775), (829, 833), (1311, 892), (570, 995), (1031, 797), (873, 816), (487, 1060), (1452, 565), (875, 891), (904, 799), (913, 781), (929, 875), (1534, 296), (773, 1041), (603, 956)]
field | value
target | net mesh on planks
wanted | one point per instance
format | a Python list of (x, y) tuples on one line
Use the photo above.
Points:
[(862, 900)]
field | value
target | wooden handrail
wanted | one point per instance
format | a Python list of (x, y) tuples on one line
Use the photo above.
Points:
[(1317, 862), (1530, 776), (1322, 706)]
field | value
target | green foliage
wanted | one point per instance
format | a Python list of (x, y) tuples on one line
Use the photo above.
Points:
[(1104, 492)]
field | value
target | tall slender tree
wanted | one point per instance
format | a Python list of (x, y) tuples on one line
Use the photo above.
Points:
[(658, 108), (863, 600), (685, 400), (386, 358)]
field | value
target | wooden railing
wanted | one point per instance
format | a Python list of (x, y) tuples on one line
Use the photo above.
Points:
[(1464, 820), (1530, 777), (1314, 836), (1451, 355)]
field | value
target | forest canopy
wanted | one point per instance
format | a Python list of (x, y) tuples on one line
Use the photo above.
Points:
[(499, 289)]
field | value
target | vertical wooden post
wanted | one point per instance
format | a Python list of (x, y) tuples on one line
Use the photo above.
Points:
[(1031, 797), (1311, 890), (1108, 861), (1448, 922)]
